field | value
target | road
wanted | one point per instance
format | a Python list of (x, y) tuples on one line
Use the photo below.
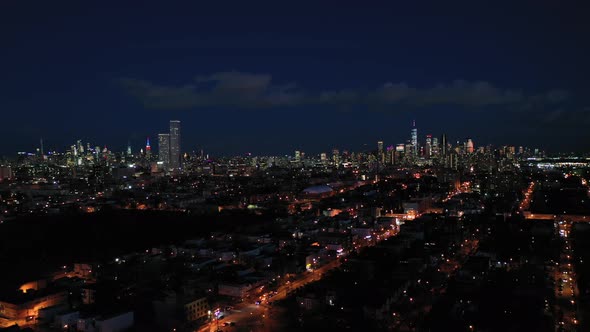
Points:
[(251, 317), (248, 316), (566, 290), (528, 195)]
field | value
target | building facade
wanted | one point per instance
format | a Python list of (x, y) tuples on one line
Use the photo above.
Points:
[(164, 149), (175, 144), (196, 309)]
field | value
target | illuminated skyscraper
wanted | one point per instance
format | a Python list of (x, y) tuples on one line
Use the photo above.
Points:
[(148, 149), (414, 139), (336, 157), (390, 155), (452, 160), (399, 152), (380, 154), (174, 144), (297, 156), (428, 146), (435, 147), (80, 146), (470, 147), (164, 149), (510, 151)]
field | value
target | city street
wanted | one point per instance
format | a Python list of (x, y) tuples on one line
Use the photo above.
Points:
[(566, 291), (249, 316)]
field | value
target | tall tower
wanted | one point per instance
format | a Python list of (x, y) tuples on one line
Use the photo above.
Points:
[(164, 149), (80, 146), (443, 145), (148, 149), (380, 154), (428, 146), (336, 157), (174, 144), (414, 139), (435, 150), (470, 147)]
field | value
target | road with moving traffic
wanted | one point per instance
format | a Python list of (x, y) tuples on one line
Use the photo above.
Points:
[(566, 290), (249, 316)]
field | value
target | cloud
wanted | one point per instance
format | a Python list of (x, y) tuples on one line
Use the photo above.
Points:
[(473, 94), (560, 117), (249, 91), (222, 89)]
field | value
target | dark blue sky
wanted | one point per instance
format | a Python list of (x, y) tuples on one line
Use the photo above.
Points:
[(272, 77)]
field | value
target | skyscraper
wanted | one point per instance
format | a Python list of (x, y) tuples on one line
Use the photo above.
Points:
[(174, 144), (148, 149), (435, 150), (414, 139), (428, 146), (80, 146), (380, 154), (164, 149), (390, 155), (443, 145), (470, 147), (336, 157)]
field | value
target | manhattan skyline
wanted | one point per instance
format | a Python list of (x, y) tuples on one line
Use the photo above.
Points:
[(269, 79)]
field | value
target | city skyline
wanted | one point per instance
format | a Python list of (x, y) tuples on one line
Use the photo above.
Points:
[(420, 146), (347, 77), (294, 166)]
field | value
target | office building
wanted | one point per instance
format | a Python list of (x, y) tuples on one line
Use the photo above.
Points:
[(148, 149), (414, 139), (428, 146), (336, 157), (380, 154), (164, 149), (175, 144), (469, 146), (435, 147)]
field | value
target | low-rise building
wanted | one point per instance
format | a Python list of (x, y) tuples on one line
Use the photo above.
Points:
[(196, 309), (113, 323), (23, 308), (234, 290)]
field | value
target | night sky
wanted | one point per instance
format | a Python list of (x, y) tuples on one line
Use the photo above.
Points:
[(269, 78)]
